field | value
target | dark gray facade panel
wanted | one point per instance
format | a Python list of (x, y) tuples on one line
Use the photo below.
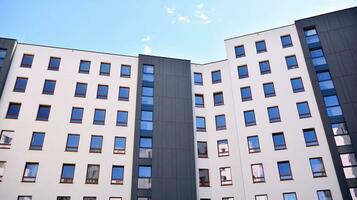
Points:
[(338, 37), (173, 161), (9, 45)]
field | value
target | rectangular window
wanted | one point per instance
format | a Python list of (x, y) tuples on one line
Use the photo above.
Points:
[(2, 169), (310, 137), (253, 144), (102, 92), (119, 145), (341, 134), (6, 139), (291, 62), (104, 69), (76, 115), (96, 143), (54, 63), (27, 61), (37, 141), (324, 195), (290, 196), (353, 192), (117, 174), (125, 71), (84, 67), (297, 85), (115, 198), (148, 73), (43, 113), (318, 57), (200, 124), (303, 109), (243, 71), (227, 198), (279, 141), (220, 122), (147, 96), (269, 89), (249, 118), (332, 106), (122, 118), (349, 163), (274, 114), (286, 41), (246, 93), (261, 197), (124, 93), (264, 67), (24, 198), (260, 46), (92, 176), (72, 142), (145, 145), (218, 98), (239, 51), (20, 84), (81, 90), (198, 80), (30, 172), (146, 120), (258, 173), (204, 177), (202, 149), (144, 180), (216, 77), (226, 176), (285, 171), (13, 110), (49, 87), (63, 198), (89, 198), (99, 116), (67, 174), (325, 81), (2, 56), (317, 167), (199, 100), (223, 149)]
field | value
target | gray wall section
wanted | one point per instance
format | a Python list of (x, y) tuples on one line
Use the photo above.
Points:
[(338, 35), (9, 45), (173, 160)]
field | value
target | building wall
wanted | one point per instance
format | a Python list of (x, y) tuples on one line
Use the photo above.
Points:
[(53, 154)]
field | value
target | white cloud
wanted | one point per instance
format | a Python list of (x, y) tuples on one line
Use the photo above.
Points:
[(147, 49), (170, 11), (146, 39), (183, 19), (201, 14)]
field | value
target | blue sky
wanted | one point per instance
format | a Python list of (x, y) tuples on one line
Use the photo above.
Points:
[(187, 29)]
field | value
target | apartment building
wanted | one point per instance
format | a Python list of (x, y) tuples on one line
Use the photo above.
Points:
[(274, 120)]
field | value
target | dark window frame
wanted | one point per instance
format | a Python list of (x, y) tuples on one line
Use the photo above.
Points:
[(247, 124), (127, 118), (124, 75), (92, 180), (222, 153), (261, 50), (214, 81), (310, 143), (104, 73), (288, 176), (27, 65), (303, 115), (253, 150), (221, 127), (197, 105), (198, 149), (117, 181), (226, 182), (99, 121), (300, 89), (204, 183), (84, 71), (241, 76), (67, 180), (102, 96), (121, 98), (30, 179), (37, 147), (246, 98), (194, 80), (279, 147), (295, 66), (239, 55), (274, 119), (46, 90), (16, 89), (258, 179), (51, 67), (96, 149), (201, 129), (218, 103), (284, 45), (119, 150), (272, 94), (16, 115), (43, 118), (318, 174), (71, 148), (76, 94), (264, 71), (78, 121)]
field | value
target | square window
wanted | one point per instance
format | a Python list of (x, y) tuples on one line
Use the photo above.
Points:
[(243, 71), (199, 101), (76, 115), (204, 177), (290, 196), (258, 173), (84, 67), (102, 92), (119, 145), (216, 77), (67, 174), (297, 85), (27, 61), (279, 141), (239, 51), (220, 122), (246, 93), (260, 46), (324, 195), (117, 174), (99, 116), (269, 90), (13, 110), (104, 69), (144, 171), (37, 141), (202, 149), (303, 110), (291, 62), (54, 63), (264, 67), (124, 93), (223, 149), (285, 171), (317, 167), (30, 172), (81, 90), (310, 137), (122, 118), (96, 143), (249, 118), (286, 41), (125, 71), (20, 84), (200, 124), (72, 142), (43, 113), (253, 144), (6, 139), (274, 114), (198, 80), (226, 176), (92, 174), (218, 98), (49, 87)]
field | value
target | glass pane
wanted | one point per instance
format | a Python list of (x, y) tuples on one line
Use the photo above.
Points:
[(148, 91), (145, 171), (147, 100), (342, 140), (334, 111), (325, 85), (148, 69), (319, 61), (339, 128), (145, 142), (331, 101), (312, 39), (316, 53)]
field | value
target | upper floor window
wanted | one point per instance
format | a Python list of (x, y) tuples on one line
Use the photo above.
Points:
[(200, 124), (226, 176), (89, 198), (261, 197), (218, 98), (269, 89), (76, 115), (145, 145), (147, 96), (341, 134), (199, 100), (260, 46), (49, 87), (20, 84), (324, 195), (81, 90), (318, 57), (24, 198), (6, 139), (227, 198), (119, 145), (317, 167), (104, 69), (125, 71), (145, 172), (204, 177), (311, 36), (239, 51), (84, 67), (2, 169), (258, 173), (349, 163), (303, 109), (99, 116), (148, 73), (102, 92), (290, 196), (198, 80), (2, 56), (332, 106), (223, 149), (253, 144), (96, 143), (274, 114), (220, 122), (146, 120), (117, 174), (243, 71), (67, 174), (122, 118), (37, 141), (285, 171), (249, 118), (202, 149), (216, 76), (13, 110), (297, 85), (92, 176), (30, 172), (310, 137), (286, 41), (124, 93), (264, 67), (72, 142), (291, 62), (54, 63), (325, 81), (246, 93), (26, 61), (43, 113), (279, 141)]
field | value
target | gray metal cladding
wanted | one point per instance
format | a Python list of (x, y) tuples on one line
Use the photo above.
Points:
[(8, 45)]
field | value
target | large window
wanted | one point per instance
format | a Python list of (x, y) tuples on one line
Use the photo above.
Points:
[(253, 144), (246, 93), (218, 98), (125, 71), (204, 177), (96, 143), (200, 124), (122, 118), (119, 145), (99, 116), (81, 90), (285, 170), (269, 90), (290, 196), (223, 149), (318, 57), (216, 76), (239, 51), (317, 167), (297, 85), (325, 81), (273, 114), (279, 141), (20, 84), (310, 137), (202, 149), (30, 172), (92, 176), (291, 62), (77, 115), (144, 181), (341, 134), (124, 93), (303, 109), (220, 122), (49, 87), (258, 173), (27, 61), (6, 138), (311, 36), (84, 67), (37, 141), (324, 195), (54, 63), (102, 92), (67, 174), (260, 46), (264, 67), (104, 69), (243, 71), (146, 122), (148, 73), (117, 174), (332, 106), (198, 80), (349, 163), (72, 142), (145, 145), (43, 113), (226, 176), (13, 110), (249, 118), (199, 100), (147, 96), (286, 41)]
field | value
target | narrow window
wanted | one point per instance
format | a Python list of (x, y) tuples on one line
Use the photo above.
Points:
[(226, 176), (20, 84), (249, 118), (102, 92), (37, 141), (147, 96), (145, 145), (92, 174), (81, 90), (258, 173), (317, 167), (216, 77), (260, 46), (332, 106), (349, 163), (264, 67), (30, 172), (198, 80), (13, 110), (84, 67), (274, 114), (6, 139), (122, 118), (76, 115), (204, 177), (99, 116), (200, 124), (117, 174), (310, 137), (96, 143), (199, 100), (2, 56), (297, 85), (291, 62), (202, 149), (146, 120), (290, 196), (218, 98), (303, 110), (318, 58), (220, 122), (341, 135), (269, 90), (27, 61), (279, 141), (253, 144), (49, 87), (325, 81), (67, 174), (72, 142), (148, 73), (286, 41), (54, 63), (223, 149), (125, 71), (324, 195), (124, 93), (144, 180), (119, 145), (243, 71), (246, 93), (104, 69), (2, 169), (285, 171), (43, 113), (239, 51)]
